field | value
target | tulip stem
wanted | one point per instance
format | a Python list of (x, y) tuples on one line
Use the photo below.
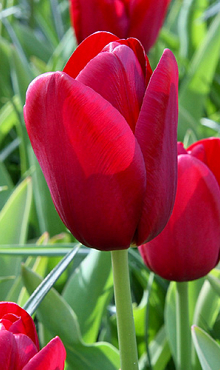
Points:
[(183, 333), (124, 312)]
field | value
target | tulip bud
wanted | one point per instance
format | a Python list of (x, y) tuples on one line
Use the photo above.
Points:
[(141, 19), (104, 133), (189, 246)]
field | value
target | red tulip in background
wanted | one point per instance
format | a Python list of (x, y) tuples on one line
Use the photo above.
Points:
[(19, 346), (141, 19), (189, 246), (104, 133)]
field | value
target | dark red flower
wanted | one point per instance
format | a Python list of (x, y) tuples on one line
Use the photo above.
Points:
[(189, 246), (141, 19), (19, 346), (104, 133)]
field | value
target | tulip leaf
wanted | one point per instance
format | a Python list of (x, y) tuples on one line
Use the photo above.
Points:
[(194, 288), (58, 317), (197, 83), (207, 349), (92, 282), (159, 352), (208, 304), (214, 280), (48, 282), (13, 229), (5, 184)]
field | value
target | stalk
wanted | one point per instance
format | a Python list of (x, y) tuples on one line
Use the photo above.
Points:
[(124, 312)]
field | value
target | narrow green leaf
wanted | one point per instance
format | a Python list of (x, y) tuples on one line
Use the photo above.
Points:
[(207, 349), (41, 291), (13, 229), (92, 282), (196, 85)]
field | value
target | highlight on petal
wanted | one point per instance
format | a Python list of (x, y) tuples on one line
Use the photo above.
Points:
[(26, 349), (90, 158), (87, 50), (116, 75), (188, 247), (51, 357), (156, 132)]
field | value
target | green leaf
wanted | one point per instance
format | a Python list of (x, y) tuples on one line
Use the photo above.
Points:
[(92, 282), (58, 317), (207, 349), (159, 352), (197, 83), (41, 291), (13, 229)]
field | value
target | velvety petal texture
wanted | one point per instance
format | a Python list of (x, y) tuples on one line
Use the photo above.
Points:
[(19, 346), (89, 127), (189, 246), (141, 19)]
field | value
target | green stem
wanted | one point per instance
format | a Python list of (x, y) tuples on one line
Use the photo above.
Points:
[(124, 312), (183, 327)]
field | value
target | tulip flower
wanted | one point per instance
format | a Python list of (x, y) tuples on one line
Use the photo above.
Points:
[(19, 346), (141, 19), (189, 246), (104, 133)]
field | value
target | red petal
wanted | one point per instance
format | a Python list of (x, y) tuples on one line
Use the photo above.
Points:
[(156, 132), (8, 351), (211, 154), (116, 75), (51, 357), (188, 247), (87, 50), (89, 16), (28, 323), (90, 158), (26, 349), (146, 19)]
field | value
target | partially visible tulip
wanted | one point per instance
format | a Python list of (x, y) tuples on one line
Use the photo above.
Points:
[(189, 246), (141, 19), (104, 133), (19, 346)]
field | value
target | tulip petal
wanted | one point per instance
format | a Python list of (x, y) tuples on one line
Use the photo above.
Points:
[(51, 357), (146, 20), (90, 158), (89, 16), (28, 326), (87, 50), (8, 350), (188, 247), (156, 132), (117, 76), (211, 157), (26, 349)]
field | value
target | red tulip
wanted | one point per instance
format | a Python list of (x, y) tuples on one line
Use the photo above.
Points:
[(19, 346), (141, 19), (189, 246), (104, 133)]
